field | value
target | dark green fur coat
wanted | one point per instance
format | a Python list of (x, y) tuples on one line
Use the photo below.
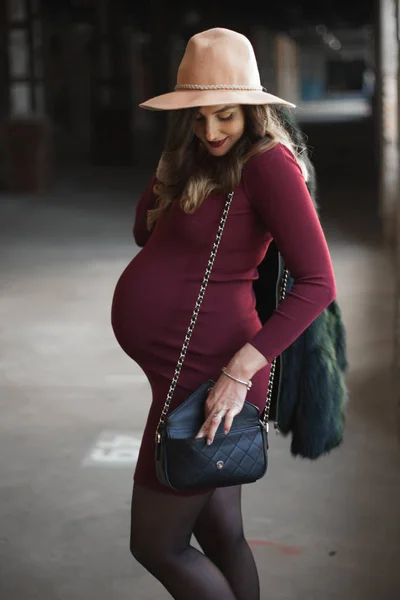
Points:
[(309, 392)]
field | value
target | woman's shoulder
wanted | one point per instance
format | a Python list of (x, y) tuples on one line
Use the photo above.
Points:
[(279, 153), (275, 168), (272, 163)]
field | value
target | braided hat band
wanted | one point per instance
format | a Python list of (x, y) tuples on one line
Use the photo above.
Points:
[(222, 86)]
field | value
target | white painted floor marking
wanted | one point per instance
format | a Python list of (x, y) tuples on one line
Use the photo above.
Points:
[(113, 449)]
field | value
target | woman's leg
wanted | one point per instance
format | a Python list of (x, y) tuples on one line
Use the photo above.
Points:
[(161, 528), (219, 531)]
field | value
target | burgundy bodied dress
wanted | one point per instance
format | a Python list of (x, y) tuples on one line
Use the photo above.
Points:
[(155, 296)]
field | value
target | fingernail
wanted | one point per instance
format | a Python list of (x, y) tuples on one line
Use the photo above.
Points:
[(209, 442)]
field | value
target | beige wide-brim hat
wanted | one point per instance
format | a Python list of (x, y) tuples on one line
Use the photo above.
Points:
[(219, 66)]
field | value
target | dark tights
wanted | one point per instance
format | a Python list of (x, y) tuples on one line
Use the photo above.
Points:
[(161, 529)]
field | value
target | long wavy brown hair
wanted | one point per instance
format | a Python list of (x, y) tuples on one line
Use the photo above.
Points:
[(187, 172)]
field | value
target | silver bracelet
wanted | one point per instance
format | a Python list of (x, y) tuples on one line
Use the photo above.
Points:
[(248, 384)]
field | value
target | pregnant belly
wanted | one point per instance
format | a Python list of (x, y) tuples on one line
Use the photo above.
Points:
[(152, 308), (144, 301)]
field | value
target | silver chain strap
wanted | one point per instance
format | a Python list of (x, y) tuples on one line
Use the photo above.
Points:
[(193, 320), (282, 294), (194, 316)]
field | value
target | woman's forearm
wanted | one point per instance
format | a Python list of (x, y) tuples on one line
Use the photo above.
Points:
[(246, 362)]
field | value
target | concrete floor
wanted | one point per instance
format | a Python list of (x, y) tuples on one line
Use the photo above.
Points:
[(73, 405)]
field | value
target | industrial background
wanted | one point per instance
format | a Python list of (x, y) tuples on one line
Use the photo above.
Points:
[(75, 154)]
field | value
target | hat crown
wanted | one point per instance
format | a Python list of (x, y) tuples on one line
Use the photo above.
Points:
[(216, 57)]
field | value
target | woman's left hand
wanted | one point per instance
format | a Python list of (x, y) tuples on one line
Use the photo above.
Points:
[(224, 401), (227, 397)]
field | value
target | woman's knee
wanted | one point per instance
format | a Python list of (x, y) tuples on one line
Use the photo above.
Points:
[(152, 552), (220, 536), (228, 541), (161, 527), (144, 549), (220, 540), (220, 526)]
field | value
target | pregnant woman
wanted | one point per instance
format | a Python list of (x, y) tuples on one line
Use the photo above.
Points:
[(224, 136)]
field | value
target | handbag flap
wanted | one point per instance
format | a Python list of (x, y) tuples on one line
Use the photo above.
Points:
[(187, 419)]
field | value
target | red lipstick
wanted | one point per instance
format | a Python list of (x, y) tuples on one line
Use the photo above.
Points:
[(218, 144)]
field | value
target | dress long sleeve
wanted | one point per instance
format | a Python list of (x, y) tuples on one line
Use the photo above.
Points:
[(146, 202), (276, 188)]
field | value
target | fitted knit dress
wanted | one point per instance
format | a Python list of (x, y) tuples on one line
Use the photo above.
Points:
[(155, 295)]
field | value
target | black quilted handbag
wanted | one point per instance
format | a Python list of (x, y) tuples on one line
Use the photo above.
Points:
[(239, 457)]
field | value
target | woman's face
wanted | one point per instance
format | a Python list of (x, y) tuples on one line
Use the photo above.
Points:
[(219, 127)]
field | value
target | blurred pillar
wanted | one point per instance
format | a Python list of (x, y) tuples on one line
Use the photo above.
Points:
[(76, 75), (287, 69), (142, 120), (111, 140), (387, 62), (264, 45), (3, 61), (26, 131), (313, 75), (26, 144), (397, 244), (278, 62), (160, 51), (155, 57)]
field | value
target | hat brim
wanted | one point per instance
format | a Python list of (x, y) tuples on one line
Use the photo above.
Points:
[(193, 98)]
